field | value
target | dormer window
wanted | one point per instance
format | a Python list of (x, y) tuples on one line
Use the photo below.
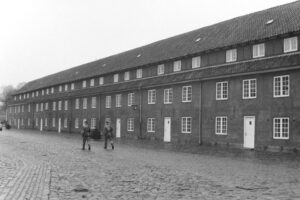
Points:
[(60, 88), (37, 93), (101, 80), (66, 87), (126, 76), (160, 69), (196, 62), (139, 73), (72, 86), (92, 82), (231, 55), (116, 78), (290, 44), (52, 90), (177, 66), (47, 91), (43, 92), (84, 84), (259, 50)]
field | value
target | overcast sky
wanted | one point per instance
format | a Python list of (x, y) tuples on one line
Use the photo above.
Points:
[(41, 37)]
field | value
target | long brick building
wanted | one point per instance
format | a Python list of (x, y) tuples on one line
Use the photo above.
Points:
[(234, 83)]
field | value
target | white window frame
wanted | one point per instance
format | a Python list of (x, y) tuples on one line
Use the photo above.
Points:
[(46, 106), (76, 123), (84, 84), (60, 88), (160, 69), (101, 80), (278, 127), (284, 90), (93, 123), (186, 124), (66, 87), (108, 102), (72, 86), (231, 55), (47, 91), (77, 102), (94, 102), (92, 82), (116, 78), (54, 105), (222, 90), (130, 124), (46, 122), (289, 43), (177, 66), (152, 96), (59, 105), (43, 92), (65, 122), (118, 100), (258, 50), (221, 125), (28, 122), (37, 93), (131, 99), (52, 90), (84, 103), (151, 125), (249, 91), (196, 62), (42, 107), (36, 107), (66, 104), (168, 96), (187, 94), (139, 73), (126, 76)]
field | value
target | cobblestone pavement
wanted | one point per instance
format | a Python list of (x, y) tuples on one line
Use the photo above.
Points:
[(35, 165)]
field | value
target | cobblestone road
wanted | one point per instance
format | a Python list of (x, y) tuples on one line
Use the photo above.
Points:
[(36, 165)]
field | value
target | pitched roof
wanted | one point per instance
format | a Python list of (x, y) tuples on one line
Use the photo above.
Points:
[(247, 28)]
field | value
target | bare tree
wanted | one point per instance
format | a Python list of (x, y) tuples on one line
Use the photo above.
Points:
[(5, 96)]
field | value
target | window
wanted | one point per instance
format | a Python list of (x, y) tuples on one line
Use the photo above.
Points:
[(77, 104), (130, 124), (84, 103), (151, 96), (187, 94), (126, 76), (46, 121), (47, 91), (249, 89), (72, 86), (222, 90), (52, 90), (168, 96), (66, 123), (37, 93), (116, 78), (118, 100), (59, 105), (93, 102), (54, 105), (281, 128), (36, 121), (22, 122), (290, 44), (37, 107), (66, 104), (139, 73), (221, 125), (177, 66), (46, 106), (93, 123), (92, 82), (160, 69), (42, 107), (29, 108), (231, 55), (20, 97), (281, 86), (84, 119), (60, 88), (131, 99), (84, 84), (22, 108), (151, 125), (66, 87), (15, 97), (27, 95), (32, 95), (196, 62), (258, 50), (28, 122), (76, 123), (43, 92), (108, 102), (186, 125), (101, 80)]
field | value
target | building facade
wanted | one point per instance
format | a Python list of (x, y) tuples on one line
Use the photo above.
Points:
[(235, 83)]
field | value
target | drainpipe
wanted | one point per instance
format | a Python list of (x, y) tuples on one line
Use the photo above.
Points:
[(140, 114), (200, 115)]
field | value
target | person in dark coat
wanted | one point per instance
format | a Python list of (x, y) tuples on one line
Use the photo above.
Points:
[(85, 135), (108, 135)]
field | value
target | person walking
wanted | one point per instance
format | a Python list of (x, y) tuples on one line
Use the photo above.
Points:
[(108, 135), (85, 135)]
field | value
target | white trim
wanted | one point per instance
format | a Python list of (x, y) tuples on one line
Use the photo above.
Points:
[(184, 126), (185, 96), (221, 91), (281, 128), (281, 86), (221, 127), (249, 89), (287, 42)]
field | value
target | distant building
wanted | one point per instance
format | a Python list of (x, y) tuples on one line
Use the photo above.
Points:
[(234, 83)]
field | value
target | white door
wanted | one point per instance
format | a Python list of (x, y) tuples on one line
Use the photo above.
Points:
[(167, 129), (59, 125), (249, 132), (118, 128), (41, 125)]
